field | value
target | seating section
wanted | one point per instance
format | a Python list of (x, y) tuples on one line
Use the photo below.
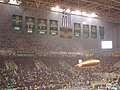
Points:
[(55, 72)]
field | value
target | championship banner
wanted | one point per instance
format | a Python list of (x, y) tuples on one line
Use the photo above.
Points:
[(42, 26), (101, 32), (29, 24), (16, 23), (93, 31), (53, 27), (65, 32), (85, 30), (77, 29)]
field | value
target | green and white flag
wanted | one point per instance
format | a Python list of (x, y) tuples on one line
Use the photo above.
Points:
[(85, 30), (53, 27), (42, 26), (29, 21), (101, 32), (16, 23), (93, 31), (77, 29)]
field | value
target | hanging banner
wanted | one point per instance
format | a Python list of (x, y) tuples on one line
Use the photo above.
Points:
[(29, 24), (42, 26), (65, 32), (53, 27), (77, 29), (101, 32), (85, 30), (93, 31), (16, 23)]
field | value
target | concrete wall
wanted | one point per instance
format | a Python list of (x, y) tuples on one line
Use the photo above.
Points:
[(6, 11)]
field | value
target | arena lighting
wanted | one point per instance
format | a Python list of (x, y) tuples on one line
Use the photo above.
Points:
[(72, 12), (1, 1), (15, 2), (85, 14), (57, 9), (76, 12), (67, 10), (89, 15), (92, 15)]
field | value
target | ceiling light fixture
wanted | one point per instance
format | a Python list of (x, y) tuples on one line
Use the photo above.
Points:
[(1, 1), (15, 2)]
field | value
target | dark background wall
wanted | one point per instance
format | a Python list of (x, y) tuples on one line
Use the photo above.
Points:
[(35, 41)]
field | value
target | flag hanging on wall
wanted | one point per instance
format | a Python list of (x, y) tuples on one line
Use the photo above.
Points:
[(101, 32), (42, 26), (85, 30), (16, 23), (77, 29), (93, 31), (29, 24), (53, 27), (65, 32)]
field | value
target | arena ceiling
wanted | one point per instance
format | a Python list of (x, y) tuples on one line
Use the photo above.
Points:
[(108, 10)]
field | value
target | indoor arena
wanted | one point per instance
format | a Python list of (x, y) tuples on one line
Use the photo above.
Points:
[(59, 44)]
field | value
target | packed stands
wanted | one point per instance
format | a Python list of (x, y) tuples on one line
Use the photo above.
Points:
[(55, 72)]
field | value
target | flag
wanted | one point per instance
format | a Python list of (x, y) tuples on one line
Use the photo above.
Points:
[(42, 26), (29, 24), (93, 31), (17, 23), (77, 29), (53, 27), (101, 32), (85, 30)]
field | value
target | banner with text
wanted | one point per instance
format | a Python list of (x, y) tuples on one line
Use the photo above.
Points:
[(42, 26), (77, 29), (85, 30), (101, 32), (16, 23), (93, 31), (29, 24), (53, 27)]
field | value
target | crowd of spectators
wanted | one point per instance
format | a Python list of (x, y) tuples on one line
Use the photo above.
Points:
[(55, 75), (57, 59)]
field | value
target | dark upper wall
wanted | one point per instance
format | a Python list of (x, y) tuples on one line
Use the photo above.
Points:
[(8, 39)]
